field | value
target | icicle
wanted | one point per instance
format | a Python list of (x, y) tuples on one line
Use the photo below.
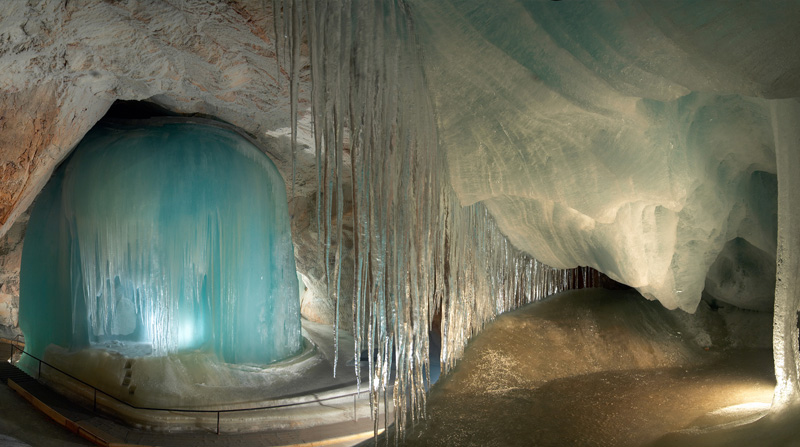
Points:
[(194, 242), (294, 82), (277, 25), (417, 252)]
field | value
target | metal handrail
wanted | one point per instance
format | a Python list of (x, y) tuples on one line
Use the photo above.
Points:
[(218, 412), (13, 341)]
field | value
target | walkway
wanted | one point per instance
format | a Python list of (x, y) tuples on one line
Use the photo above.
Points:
[(102, 430)]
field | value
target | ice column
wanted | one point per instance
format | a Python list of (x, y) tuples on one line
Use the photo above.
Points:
[(786, 350), (172, 233)]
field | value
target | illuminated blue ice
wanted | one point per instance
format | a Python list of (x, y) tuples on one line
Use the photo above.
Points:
[(174, 234)]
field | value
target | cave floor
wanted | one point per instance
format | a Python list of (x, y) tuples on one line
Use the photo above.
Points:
[(615, 408), (601, 368), (627, 408), (21, 424)]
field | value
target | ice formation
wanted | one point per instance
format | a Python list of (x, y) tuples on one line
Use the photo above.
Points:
[(170, 233), (637, 137), (786, 336), (633, 137), (416, 248), (598, 146)]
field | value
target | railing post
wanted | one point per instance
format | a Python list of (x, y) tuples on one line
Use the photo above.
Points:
[(217, 422), (39, 376)]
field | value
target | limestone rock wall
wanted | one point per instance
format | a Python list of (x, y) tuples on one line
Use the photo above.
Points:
[(10, 259)]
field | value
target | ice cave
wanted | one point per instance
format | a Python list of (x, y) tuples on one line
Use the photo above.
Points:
[(421, 222)]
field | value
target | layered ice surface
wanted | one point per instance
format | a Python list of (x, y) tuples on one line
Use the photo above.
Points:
[(168, 236), (633, 137)]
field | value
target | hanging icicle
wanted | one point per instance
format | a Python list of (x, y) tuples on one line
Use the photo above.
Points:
[(416, 250)]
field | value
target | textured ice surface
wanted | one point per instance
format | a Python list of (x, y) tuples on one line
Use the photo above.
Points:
[(198, 380), (183, 380), (171, 234), (743, 276), (612, 136)]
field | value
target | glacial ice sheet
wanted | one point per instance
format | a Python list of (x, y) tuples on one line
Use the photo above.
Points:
[(174, 234)]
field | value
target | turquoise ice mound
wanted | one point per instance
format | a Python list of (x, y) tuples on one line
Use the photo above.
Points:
[(172, 235)]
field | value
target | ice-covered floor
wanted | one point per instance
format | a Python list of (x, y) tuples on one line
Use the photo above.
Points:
[(297, 394), (198, 380), (602, 368)]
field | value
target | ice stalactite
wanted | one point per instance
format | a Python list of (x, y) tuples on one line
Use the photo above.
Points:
[(786, 347), (484, 275), (416, 249), (172, 234)]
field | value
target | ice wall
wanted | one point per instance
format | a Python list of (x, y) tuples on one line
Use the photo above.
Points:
[(786, 344), (170, 233), (622, 135)]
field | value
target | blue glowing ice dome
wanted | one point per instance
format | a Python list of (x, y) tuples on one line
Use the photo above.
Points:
[(173, 234)]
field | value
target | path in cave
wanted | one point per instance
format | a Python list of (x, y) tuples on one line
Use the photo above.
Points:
[(601, 368)]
